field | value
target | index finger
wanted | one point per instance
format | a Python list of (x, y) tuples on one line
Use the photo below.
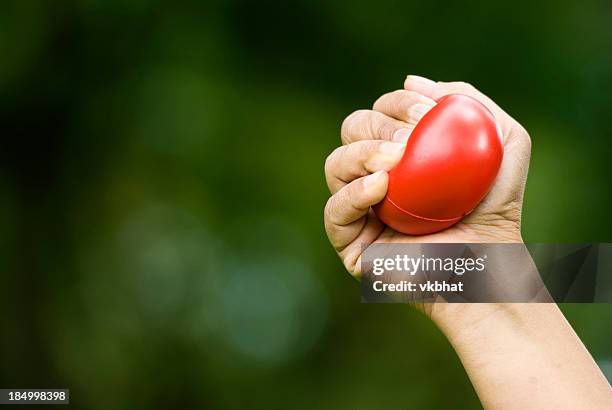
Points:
[(373, 125)]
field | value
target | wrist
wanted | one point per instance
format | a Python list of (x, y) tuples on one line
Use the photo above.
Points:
[(457, 319), (523, 355), (470, 327)]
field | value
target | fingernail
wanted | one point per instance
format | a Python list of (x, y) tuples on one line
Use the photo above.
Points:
[(417, 111), (419, 79), (373, 179), (392, 148), (401, 135)]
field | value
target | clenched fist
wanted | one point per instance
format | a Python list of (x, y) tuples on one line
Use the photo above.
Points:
[(373, 143)]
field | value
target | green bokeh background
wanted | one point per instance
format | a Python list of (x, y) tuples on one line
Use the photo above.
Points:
[(162, 190)]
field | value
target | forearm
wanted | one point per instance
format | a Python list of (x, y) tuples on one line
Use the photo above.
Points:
[(523, 356)]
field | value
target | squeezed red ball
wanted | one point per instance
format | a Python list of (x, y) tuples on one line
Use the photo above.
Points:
[(451, 160)]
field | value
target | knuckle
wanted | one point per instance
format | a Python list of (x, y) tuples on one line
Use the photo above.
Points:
[(409, 95), (350, 259), (349, 265), (405, 99), (349, 194), (358, 151), (353, 121), (333, 214), (522, 135), (365, 149), (331, 160), (466, 85), (327, 213), (350, 198), (528, 142), (370, 123), (458, 87), (383, 127), (352, 118), (386, 130), (518, 138), (396, 101), (462, 85), (381, 101), (517, 130), (353, 198)]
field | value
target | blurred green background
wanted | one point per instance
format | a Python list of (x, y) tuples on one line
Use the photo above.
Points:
[(162, 189)]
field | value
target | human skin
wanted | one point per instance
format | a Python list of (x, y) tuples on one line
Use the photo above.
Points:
[(517, 356)]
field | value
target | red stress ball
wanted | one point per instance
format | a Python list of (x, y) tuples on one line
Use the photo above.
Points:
[(450, 162)]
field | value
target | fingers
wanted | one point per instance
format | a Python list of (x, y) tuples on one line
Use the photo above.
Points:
[(437, 90), (351, 253), (404, 105), (359, 159), (510, 181), (345, 212), (373, 125), (515, 137)]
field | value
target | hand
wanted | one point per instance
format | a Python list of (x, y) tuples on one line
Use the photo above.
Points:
[(373, 143), (516, 355)]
